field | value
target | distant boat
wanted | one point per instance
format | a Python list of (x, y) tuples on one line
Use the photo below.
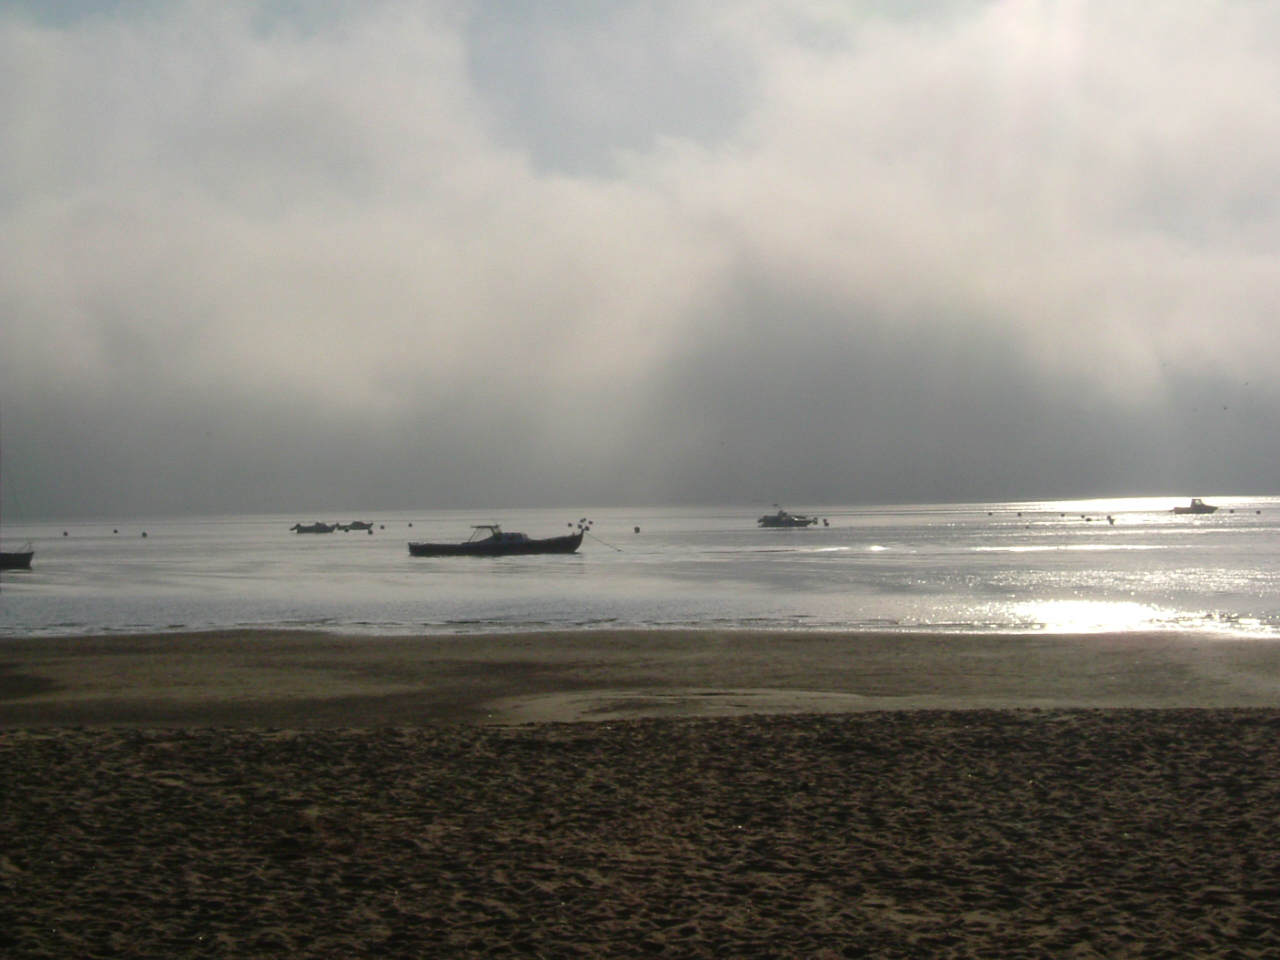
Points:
[(1197, 506), (498, 543), (356, 525), (316, 527), (17, 559), (784, 519)]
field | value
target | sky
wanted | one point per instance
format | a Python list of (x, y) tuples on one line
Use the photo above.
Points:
[(304, 257)]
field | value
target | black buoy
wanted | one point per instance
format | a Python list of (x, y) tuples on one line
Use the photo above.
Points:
[(637, 529), (144, 534)]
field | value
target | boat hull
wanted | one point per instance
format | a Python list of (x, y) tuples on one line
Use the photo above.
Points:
[(486, 548), (16, 560)]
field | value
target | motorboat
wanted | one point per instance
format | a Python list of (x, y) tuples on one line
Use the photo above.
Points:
[(784, 519), (1197, 506), (316, 527)]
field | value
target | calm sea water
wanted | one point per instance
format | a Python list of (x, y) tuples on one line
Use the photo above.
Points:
[(998, 567)]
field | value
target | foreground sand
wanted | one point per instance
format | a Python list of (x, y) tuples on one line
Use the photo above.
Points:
[(736, 795), (898, 834)]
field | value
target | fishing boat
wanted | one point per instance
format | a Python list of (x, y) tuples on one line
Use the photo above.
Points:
[(490, 540), (784, 519), (316, 527), (1197, 506)]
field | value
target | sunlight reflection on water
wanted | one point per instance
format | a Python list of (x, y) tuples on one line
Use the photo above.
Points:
[(1089, 616)]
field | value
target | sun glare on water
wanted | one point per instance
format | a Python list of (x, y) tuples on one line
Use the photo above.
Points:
[(1088, 616)]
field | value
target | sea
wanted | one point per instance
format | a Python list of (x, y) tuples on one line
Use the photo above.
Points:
[(1078, 566)]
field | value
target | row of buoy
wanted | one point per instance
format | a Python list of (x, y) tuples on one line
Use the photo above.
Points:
[(67, 534)]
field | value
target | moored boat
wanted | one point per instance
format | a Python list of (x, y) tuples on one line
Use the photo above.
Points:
[(17, 559), (316, 527), (1197, 506), (784, 519), (499, 543)]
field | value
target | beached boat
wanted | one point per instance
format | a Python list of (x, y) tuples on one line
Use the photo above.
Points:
[(316, 527), (1197, 506), (490, 540), (784, 519)]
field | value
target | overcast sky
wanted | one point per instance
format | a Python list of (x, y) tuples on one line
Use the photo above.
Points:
[(380, 254)]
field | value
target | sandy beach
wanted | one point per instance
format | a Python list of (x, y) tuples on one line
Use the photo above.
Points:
[(630, 795), (299, 679)]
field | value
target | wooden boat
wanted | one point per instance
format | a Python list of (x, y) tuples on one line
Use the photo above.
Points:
[(498, 543), (784, 519), (316, 527), (1197, 506)]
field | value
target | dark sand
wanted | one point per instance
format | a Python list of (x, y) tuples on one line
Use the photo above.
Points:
[(242, 795)]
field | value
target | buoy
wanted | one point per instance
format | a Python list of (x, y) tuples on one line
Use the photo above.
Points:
[(637, 529)]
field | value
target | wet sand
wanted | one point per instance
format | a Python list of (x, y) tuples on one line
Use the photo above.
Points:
[(726, 796), (295, 679)]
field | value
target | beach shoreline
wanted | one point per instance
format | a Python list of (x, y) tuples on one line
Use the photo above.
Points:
[(315, 679)]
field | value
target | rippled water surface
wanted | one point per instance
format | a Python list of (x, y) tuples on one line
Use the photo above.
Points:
[(1115, 565)]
